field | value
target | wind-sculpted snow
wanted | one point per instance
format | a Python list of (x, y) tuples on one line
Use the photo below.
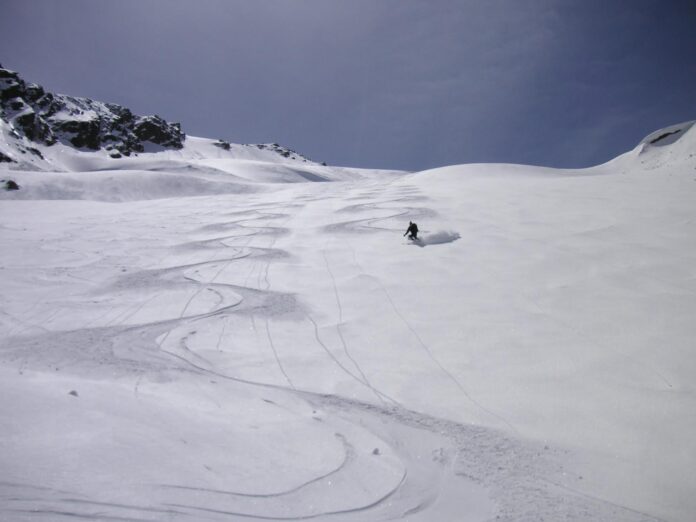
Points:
[(283, 353), (668, 135)]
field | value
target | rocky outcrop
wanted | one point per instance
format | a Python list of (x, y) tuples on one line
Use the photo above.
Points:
[(283, 151), (48, 118), (10, 184), (155, 130), (224, 145)]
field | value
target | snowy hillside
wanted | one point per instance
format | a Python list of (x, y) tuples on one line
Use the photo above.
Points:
[(43, 131), (200, 167), (205, 332), (54, 146)]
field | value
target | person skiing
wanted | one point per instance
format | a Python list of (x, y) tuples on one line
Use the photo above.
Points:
[(412, 230)]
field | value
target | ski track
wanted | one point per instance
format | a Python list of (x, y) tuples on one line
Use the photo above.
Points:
[(348, 456), (447, 373), (266, 286), (424, 346), (510, 470), (380, 395), (340, 322), (275, 354)]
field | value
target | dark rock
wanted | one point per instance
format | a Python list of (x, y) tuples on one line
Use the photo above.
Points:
[(663, 136), (222, 144), (83, 133), (35, 152), (6, 73), (11, 85), (45, 101), (11, 184), (16, 104), (4, 158), (123, 116), (34, 92), (156, 130), (45, 117), (34, 127)]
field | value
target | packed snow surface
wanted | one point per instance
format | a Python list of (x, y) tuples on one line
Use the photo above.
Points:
[(194, 335)]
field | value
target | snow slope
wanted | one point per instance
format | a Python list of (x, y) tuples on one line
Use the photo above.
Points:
[(188, 335), (199, 168)]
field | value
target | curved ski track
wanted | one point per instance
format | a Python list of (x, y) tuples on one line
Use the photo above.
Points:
[(485, 458)]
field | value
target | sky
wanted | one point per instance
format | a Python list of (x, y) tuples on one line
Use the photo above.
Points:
[(402, 84)]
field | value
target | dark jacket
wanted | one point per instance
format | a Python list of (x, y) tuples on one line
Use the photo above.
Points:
[(412, 229)]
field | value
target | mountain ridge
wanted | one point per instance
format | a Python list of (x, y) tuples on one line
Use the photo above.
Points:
[(47, 118), (30, 116)]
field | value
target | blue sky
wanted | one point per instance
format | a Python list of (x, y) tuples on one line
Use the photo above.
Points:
[(380, 83)]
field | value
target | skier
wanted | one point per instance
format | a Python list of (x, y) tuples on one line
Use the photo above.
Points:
[(412, 230)]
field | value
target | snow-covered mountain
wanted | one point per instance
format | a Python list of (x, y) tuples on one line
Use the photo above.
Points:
[(204, 332), (34, 123), (35, 115)]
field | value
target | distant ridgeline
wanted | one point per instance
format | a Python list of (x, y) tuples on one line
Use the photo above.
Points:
[(31, 113)]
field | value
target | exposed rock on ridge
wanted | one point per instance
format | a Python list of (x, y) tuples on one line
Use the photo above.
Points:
[(49, 118)]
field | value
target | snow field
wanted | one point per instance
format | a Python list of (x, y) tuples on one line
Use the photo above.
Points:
[(280, 351)]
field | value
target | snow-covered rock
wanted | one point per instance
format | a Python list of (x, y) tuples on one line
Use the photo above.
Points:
[(47, 118)]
